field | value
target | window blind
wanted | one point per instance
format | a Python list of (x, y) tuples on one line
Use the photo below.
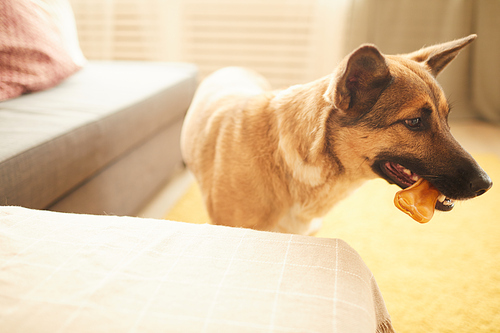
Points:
[(270, 36), (118, 29)]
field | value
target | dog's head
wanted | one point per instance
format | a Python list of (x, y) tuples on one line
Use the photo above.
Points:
[(394, 116)]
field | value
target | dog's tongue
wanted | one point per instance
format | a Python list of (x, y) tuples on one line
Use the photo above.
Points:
[(418, 200)]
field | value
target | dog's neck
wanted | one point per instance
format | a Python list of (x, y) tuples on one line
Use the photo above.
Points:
[(304, 120)]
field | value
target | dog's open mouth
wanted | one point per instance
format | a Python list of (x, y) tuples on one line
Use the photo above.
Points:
[(404, 178)]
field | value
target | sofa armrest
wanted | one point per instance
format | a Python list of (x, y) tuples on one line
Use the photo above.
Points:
[(83, 273)]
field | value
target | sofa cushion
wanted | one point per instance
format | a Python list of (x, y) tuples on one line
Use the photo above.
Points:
[(53, 140), (39, 45), (126, 185), (82, 273)]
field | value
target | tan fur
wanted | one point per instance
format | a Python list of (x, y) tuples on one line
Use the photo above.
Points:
[(276, 160)]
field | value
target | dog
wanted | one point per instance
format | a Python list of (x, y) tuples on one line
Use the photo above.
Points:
[(280, 160)]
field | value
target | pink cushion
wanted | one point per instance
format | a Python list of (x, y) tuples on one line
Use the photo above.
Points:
[(34, 54)]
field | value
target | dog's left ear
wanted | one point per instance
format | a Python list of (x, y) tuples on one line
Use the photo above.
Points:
[(358, 81), (437, 57)]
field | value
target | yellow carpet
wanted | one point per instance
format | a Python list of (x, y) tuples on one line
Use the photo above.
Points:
[(443, 276)]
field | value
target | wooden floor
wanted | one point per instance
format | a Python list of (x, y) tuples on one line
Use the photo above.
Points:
[(475, 136)]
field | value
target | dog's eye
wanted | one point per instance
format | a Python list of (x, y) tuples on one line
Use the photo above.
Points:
[(414, 123)]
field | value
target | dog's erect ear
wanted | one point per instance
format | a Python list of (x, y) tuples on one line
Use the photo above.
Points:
[(438, 56), (359, 80)]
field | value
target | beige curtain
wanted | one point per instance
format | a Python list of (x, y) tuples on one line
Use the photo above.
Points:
[(485, 66), (328, 37)]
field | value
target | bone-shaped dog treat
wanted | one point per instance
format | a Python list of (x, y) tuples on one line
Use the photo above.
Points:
[(418, 200)]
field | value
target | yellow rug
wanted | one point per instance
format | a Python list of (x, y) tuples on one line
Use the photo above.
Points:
[(443, 276)]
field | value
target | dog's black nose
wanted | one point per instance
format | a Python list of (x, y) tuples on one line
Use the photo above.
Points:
[(480, 184)]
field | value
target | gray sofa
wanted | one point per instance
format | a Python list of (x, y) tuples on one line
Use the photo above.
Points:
[(102, 142)]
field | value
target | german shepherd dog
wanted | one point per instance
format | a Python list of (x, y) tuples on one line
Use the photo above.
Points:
[(279, 160)]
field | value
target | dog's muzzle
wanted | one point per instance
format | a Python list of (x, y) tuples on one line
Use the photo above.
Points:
[(404, 178), (476, 183)]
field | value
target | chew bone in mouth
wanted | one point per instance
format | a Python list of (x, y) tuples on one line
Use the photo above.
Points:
[(419, 197), (418, 200)]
